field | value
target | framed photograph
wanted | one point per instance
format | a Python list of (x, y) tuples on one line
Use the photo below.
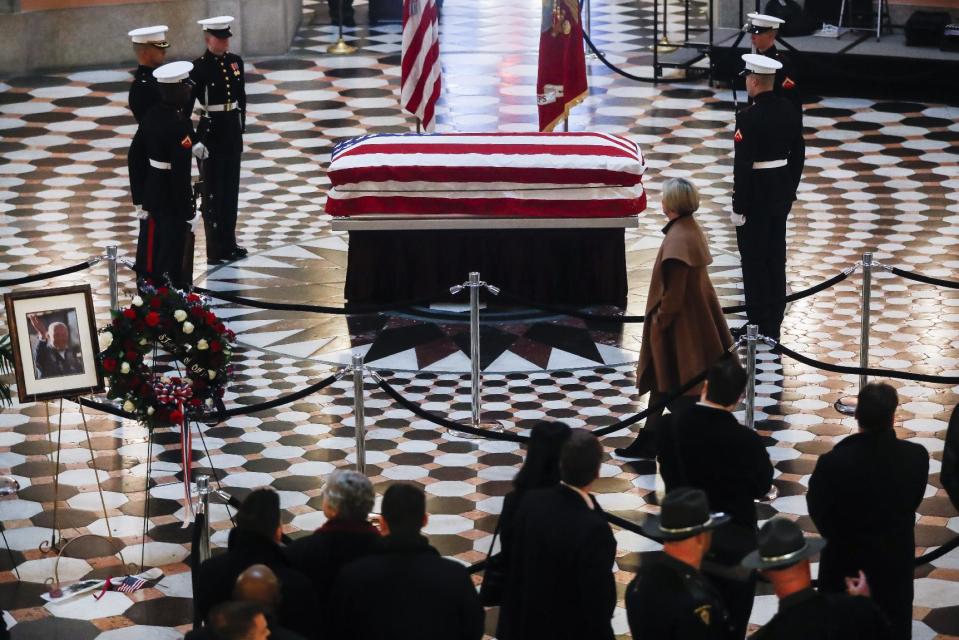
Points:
[(54, 340)]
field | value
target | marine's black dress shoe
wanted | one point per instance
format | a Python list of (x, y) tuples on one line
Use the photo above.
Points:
[(238, 253)]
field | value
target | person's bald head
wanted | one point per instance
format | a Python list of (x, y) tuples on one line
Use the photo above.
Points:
[(260, 585)]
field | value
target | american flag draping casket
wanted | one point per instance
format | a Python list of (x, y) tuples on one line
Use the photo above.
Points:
[(520, 175)]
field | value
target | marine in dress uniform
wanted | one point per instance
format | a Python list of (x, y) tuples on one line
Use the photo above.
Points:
[(220, 91), (763, 30), (769, 158), (669, 599), (150, 45), (168, 191), (804, 613)]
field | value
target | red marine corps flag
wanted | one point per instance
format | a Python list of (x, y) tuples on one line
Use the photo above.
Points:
[(420, 63), (561, 81)]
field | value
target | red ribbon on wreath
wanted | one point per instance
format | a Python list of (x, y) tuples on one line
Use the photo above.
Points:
[(177, 393)]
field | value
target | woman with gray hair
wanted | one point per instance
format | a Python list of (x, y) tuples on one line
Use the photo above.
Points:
[(685, 331), (345, 536)]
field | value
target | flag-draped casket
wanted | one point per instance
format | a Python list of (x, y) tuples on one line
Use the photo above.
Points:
[(510, 175)]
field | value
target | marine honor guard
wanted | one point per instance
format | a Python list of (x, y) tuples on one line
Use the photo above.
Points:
[(763, 30), (169, 141), (221, 95), (769, 158), (149, 45)]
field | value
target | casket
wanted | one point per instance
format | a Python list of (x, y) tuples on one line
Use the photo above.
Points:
[(489, 175)]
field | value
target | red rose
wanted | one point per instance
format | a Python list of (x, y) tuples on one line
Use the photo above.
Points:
[(176, 416), (195, 402), (152, 319), (131, 355), (210, 317), (230, 335), (155, 303), (193, 298), (109, 365), (163, 291), (130, 314), (196, 312), (216, 347)]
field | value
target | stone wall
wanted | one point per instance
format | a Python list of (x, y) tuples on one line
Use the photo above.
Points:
[(79, 37)]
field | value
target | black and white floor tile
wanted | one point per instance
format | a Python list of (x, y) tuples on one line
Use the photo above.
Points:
[(881, 176)]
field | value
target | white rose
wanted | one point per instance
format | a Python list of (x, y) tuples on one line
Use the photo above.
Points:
[(150, 411), (137, 301), (209, 401), (129, 406), (211, 373), (187, 326), (106, 339), (143, 342), (125, 367), (179, 315), (202, 345)]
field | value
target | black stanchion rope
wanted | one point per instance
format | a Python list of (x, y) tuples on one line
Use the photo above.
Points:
[(220, 416), (918, 277), (312, 308), (868, 371), (12, 282)]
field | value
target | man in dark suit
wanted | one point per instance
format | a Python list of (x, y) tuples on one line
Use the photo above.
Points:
[(407, 590), (863, 497), (54, 356), (706, 448), (767, 167), (669, 599), (804, 613), (255, 540), (560, 583)]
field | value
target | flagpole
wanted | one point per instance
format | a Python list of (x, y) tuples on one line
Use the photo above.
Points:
[(566, 124), (418, 124), (340, 46)]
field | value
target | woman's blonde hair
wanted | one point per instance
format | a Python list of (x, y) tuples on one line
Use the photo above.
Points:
[(680, 196)]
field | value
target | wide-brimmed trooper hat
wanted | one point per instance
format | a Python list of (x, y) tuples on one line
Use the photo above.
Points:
[(782, 543), (684, 514)]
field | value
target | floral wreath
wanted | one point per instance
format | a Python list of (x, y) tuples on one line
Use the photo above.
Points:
[(181, 324)]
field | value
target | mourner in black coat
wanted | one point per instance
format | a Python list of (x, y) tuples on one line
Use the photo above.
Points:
[(407, 590), (863, 497), (322, 554), (706, 448), (560, 583), (252, 543)]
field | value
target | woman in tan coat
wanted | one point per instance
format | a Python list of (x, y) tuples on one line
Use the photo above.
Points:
[(685, 331)]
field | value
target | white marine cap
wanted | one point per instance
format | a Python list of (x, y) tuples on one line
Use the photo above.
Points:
[(760, 23), (173, 72), (218, 26), (150, 35), (756, 63)]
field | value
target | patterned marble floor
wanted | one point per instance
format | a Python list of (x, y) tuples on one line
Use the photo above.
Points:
[(881, 176)]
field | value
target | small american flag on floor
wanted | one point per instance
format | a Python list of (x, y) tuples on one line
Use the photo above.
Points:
[(420, 63), (522, 175), (129, 584)]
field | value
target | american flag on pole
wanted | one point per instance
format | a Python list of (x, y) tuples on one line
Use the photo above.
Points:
[(520, 175), (420, 64)]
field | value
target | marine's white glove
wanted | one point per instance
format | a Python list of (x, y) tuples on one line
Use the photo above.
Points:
[(737, 219), (200, 152), (194, 223), (141, 214)]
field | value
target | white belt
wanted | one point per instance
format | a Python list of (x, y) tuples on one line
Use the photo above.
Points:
[(156, 164), (228, 106), (770, 164)]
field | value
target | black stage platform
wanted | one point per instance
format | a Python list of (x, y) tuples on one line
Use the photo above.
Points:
[(853, 64)]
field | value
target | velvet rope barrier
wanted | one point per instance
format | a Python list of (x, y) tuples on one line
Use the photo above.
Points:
[(918, 277), (869, 371), (80, 266), (220, 416)]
